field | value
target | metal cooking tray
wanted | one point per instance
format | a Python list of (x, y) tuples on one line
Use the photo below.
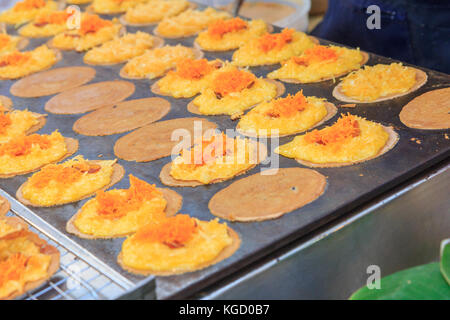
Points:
[(347, 188)]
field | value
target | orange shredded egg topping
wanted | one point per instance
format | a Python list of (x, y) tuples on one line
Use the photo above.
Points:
[(64, 175), (289, 106), (216, 146), (219, 28), (52, 18), (21, 146), (4, 40), (275, 41), (317, 53), (14, 59), (345, 128), (193, 69), (114, 206), (5, 122), (12, 268), (232, 81), (29, 5), (173, 231), (92, 23)]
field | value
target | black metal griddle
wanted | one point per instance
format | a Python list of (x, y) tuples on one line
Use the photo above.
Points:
[(348, 187)]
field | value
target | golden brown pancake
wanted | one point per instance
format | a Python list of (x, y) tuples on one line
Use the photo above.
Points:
[(391, 142), (90, 97), (44, 248), (52, 81), (224, 254), (331, 112), (268, 11), (42, 120), (192, 108), (168, 180), (421, 79), (72, 147), (197, 54), (430, 111), (124, 21), (122, 117), (153, 141), (4, 206), (268, 196), (5, 102), (18, 75), (363, 62), (17, 223), (117, 175), (174, 204)]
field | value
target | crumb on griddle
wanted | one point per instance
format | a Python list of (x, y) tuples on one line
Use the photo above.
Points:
[(348, 105)]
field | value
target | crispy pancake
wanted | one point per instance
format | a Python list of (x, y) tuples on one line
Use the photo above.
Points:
[(200, 262), (279, 87), (365, 58), (255, 117), (5, 103), (421, 79), (174, 203), (366, 145), (122, 117), (149, 63), (43, 247), (52, 81), (4, 206), (259, 154), (429, 111), (41, 58), (267, 195), (72, 147), (90, 97), (117, 175), (153, 141)]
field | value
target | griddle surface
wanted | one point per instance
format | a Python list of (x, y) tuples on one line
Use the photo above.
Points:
[(347, 187)]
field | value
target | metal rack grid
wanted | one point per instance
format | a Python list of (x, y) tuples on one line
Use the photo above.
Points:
[(75, 279)]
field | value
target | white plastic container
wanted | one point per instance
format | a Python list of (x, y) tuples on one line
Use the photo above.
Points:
[(297, 20)]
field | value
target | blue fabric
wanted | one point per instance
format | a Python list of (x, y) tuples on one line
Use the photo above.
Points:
[(414, 31)]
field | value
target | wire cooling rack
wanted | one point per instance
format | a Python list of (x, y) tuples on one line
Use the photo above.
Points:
[(75, 280)]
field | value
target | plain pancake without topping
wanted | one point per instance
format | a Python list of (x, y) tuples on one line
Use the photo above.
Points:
[(52, 81), (430, 110), (268, 196), (122, 117), (90, 97)]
